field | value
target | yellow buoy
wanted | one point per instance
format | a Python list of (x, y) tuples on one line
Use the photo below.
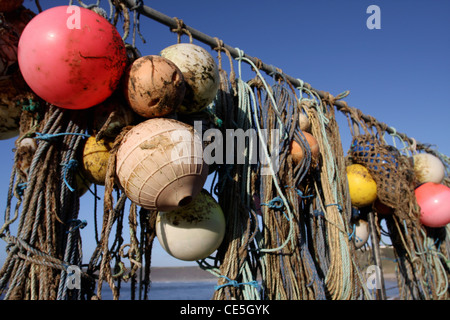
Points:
[(95, 159), (192, 232), (362, 187), (82, 183)]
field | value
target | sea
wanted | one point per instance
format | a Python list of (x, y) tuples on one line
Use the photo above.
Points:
[(198, 290)]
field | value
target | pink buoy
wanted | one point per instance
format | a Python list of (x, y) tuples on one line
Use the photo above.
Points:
[(434, 201), (71, 57)]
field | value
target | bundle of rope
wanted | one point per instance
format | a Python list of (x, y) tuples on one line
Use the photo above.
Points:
[(48, 239)]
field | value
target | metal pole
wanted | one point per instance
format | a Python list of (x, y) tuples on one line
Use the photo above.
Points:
[(377, 255)]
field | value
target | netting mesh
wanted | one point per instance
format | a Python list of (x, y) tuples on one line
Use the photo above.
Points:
[(392, 171)]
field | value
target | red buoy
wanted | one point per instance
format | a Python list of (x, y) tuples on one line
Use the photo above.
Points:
[(71, 57), (434, 201)]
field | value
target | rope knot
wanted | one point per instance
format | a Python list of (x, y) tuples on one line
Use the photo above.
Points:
[(181, 29), (275, 203), (71, 165)]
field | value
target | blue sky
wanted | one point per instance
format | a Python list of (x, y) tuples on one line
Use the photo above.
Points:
[(399, 74)]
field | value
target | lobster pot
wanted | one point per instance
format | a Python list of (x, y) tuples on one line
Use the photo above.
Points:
[(392, 172), (160, 164)]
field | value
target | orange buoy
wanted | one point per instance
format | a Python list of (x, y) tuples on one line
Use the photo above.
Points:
[(160, 164), (297, 152), (154, 86), (434, 201)]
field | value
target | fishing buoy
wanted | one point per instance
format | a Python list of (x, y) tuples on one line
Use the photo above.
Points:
[(304, 123), (71, 57), (95, 159), (434, 201), (10, 5), (362, 187), (82, 183), (361, 233), (154, 86), (160, 164), (111, 116), (192, 232), (297, 151), (200, 73), (25, 152), (428, 168), (381, 208)]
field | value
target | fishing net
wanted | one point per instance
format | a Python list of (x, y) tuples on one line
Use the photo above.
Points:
[(393, 172), (290, 225)]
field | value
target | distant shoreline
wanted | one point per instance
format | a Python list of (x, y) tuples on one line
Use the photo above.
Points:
[(180, 274), (195, 274)]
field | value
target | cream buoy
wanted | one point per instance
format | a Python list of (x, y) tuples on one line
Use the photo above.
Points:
[(154, 86), (160, 164), (428, 168), (192, 232), (361, 233), (304, 123), (200, 74)]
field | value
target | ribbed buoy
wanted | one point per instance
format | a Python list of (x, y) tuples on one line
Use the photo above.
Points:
[(160, 164), (192, 232)]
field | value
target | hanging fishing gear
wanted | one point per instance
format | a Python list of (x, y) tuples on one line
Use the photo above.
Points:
[(281, 221)]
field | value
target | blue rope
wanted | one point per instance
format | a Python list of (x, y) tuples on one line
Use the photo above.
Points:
[(335, 204), (71, 165), (51, 137), (277, 204), (300, 194), (21, 188), (80, 225), (351, 235), (318, 213), (236, 284)]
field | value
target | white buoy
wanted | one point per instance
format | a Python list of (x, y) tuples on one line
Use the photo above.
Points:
[(200, 72), (192, 232), (428, 168), (361, 234)]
